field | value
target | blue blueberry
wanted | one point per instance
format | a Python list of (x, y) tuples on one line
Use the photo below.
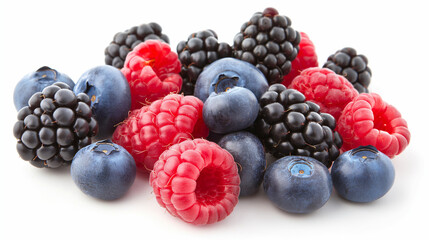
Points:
[(228, 73), (36, 82), (103, 170), (363, 174), (110, 97), (298, 184), (249, 154), (231, 110)]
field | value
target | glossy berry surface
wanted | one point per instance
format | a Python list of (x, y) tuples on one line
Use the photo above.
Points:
[(352, 66), (196, 181), (231, 110), (368, 120), (298, 184), (201, 49), (148, 131), (124, 42), (287, 124), (35, 82), (54, 126), (228, 73), (152, 71), (306, 58), (248, 153), (363, 174), (103, 170), (332, 92), (110, 97), (269, 42)]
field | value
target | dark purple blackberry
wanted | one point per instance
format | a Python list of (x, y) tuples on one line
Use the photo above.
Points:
[(124, 42), (268, 42), (289, 125), (352, 66), (201, 49), (54, 126)]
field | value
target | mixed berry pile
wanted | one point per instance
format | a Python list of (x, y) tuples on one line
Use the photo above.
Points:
[(203, 120)]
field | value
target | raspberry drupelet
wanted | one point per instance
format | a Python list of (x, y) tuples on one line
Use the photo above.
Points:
[(196, 181), (368, 120), (148, 131)]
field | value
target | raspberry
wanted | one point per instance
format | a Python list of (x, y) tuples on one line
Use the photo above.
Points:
[(152, 70), (148, 131), (124, 42), (306, 58), (322, 86), (368, 120), (197, 181)]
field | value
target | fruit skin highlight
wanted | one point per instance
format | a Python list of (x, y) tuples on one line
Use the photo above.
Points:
[(269, 42), (248, 153), (110, 97), (103, 170), (287, 124), (306, 58), (230, 111), (298, 184), (363, 174), (332, 92), (368, 120), (149, 131), (152, 71), (35, 82), (228, 73), (196, 181), (54, 126)]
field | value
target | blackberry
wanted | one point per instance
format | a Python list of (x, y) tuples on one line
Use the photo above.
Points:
[(352, 66), (287, 124), (268, 42), (124, 42), (201, 49), (54, 126)]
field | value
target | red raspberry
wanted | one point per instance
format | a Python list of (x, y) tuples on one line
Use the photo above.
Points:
[(306, 58), (327, 89), (148, 131), (197, 181), (152, 70), (368, 120)]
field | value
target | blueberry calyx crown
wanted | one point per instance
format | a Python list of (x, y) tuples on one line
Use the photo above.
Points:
[(46, 68), (105, 146), (225, 82), (301, 167), (364, 153)]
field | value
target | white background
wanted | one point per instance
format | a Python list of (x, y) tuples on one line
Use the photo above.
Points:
[(71, 37)]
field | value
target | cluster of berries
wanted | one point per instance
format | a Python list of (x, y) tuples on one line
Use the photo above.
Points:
[(202, 120)]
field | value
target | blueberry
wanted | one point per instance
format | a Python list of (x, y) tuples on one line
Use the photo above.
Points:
[(298, 184), (363, 174), (103, 170), (249, 154), (36, 82), (230, 111), (228, 73), (110, 97)]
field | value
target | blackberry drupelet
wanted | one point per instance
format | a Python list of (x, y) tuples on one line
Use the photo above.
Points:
[(287, 124), (201, 49), (269, 42), (54, 126), (352, 66), (124, 42)]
